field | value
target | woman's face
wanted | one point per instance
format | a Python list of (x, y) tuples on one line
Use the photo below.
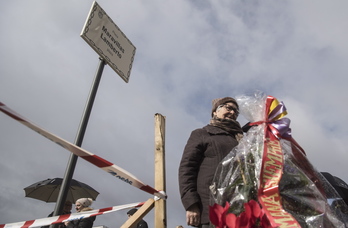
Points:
[(78, 207), (67, 207), (227, 111)]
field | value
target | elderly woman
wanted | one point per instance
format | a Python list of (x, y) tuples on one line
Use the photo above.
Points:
[(82, 204), (205, 148)]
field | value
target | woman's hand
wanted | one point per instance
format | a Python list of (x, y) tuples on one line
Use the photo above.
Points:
[(193, 215)]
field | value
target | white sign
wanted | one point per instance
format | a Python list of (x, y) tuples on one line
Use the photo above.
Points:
[(103, 35)]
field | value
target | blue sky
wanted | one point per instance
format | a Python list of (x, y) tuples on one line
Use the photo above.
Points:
[(187, 54)]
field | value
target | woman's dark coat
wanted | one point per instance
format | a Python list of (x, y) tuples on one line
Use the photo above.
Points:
[(82, 223), (205, 148)]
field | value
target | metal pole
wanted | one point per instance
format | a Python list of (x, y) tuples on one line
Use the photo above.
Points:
[(63, 193)]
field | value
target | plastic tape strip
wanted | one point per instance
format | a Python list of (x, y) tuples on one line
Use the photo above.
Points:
[(67, 217), (107, 166)]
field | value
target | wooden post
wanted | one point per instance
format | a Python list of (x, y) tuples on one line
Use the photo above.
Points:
[(137, 216), (160, 177)]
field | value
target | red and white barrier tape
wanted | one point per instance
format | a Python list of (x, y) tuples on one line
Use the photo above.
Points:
[(68, 217), (107, 166)]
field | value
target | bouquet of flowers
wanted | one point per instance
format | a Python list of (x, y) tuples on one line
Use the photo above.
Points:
[(267, 180)]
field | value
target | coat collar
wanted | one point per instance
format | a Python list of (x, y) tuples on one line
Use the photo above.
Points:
[(214, 130)]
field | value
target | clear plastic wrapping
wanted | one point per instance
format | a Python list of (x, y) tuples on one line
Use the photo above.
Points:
[(304, 195)]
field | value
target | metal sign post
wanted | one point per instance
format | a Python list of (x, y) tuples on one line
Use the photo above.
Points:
[(114, 49), (78, 141)]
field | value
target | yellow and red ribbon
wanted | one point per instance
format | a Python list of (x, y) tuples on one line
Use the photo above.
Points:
[(276, 127)]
